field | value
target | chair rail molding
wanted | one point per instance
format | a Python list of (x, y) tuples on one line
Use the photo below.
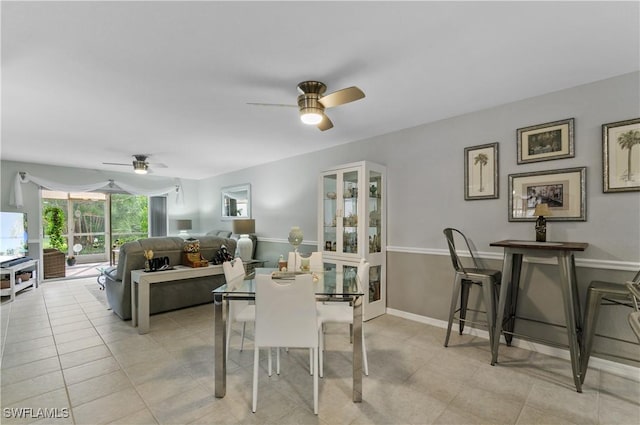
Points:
[(592, 263)]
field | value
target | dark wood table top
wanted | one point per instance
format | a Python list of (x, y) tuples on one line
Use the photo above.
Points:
[(544, 246)]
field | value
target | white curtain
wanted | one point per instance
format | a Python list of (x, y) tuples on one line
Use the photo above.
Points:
[(23, 177)]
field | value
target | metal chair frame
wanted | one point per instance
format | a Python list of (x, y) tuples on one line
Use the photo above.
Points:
[(601, 293), (465, 277)]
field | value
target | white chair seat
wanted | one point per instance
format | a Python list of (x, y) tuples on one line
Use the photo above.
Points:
[(247, 314), (342, 312), (335, 313)]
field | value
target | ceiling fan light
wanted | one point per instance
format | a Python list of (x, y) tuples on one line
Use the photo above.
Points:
[(140, 167), (311, 116)]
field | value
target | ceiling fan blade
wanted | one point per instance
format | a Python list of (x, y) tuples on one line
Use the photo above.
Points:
[(282, 105), (325, 124), (116, 163), (340, 97), (158, 165)]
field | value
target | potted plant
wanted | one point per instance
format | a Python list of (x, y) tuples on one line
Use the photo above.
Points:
[(71, 260), (55, 225)]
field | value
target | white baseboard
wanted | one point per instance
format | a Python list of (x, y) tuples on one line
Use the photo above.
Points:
[(619, 369)]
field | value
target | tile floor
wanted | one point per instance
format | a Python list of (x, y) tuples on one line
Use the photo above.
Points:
[(64, 352)]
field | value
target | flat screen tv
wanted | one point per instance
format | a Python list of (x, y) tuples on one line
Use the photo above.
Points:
[(13, 235)]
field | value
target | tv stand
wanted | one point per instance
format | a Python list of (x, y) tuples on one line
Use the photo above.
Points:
[(16, 287)]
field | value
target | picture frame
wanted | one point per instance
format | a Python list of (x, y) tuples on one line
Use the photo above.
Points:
[(545, 142), (481, 172), (621, 163), (564, 190)]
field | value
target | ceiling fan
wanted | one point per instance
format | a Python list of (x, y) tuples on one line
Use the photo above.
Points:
[(140, 164), (312, 102)]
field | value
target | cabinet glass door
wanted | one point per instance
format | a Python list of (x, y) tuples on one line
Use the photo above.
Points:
[(374, 212), (350, 212), (330, 209), (374, 283)]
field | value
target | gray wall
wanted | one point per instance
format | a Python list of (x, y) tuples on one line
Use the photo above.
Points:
[(426, 194)]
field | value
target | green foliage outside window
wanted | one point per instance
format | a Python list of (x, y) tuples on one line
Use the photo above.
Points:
[(129, 217)]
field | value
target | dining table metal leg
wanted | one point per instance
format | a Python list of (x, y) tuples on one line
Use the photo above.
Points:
[(357, 349), (220, 338), (569, 295)]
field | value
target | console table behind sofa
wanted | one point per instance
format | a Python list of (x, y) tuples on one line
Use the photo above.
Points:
[(165, 296)]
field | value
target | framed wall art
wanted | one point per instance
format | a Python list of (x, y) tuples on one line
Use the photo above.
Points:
[(621, 156), (481, 172), (562, 190), (544, 142), (236, 202)]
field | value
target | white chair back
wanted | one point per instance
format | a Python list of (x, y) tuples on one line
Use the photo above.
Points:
[(286, 312), (233, 273), (363, 275)]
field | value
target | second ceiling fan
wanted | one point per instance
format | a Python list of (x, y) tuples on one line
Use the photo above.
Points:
[(312, 102)]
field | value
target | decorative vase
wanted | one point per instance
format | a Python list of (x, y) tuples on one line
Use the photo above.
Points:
[(245, 247), (295, 237)]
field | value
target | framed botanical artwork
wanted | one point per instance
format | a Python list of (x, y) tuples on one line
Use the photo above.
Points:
[(481, 172), (544, 142), (562, 190), (620, 160)]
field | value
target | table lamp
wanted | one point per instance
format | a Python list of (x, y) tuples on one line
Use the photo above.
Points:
[(183, 227), (542, 211), (243, 227)]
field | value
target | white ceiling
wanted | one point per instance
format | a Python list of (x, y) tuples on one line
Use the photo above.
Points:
[(87, 82)]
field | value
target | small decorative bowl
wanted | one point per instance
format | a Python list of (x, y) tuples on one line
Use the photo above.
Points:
[(331, 195)]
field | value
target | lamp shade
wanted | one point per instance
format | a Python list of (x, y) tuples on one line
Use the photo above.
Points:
[(542, 210), (244, 226), (183, 224)]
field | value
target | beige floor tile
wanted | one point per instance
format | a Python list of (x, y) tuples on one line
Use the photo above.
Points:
[(76, 334), (19, 358), (110, 408), (32, 387), (90, 370), (83, 356), (166, 389), (141, 417), (98, 387), (73, 326), (79, 344), (188, 407), (29, 345), (56, 399), (29, 370), (565, 402)]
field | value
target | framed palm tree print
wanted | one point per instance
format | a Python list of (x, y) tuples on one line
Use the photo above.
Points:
[(481, 172), (621, 156)]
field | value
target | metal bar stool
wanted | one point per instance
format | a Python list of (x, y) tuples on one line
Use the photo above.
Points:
[(601, 293), (465, 277), (634, 317)]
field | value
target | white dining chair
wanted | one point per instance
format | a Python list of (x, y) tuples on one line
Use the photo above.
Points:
[(239, 311), (340, 312), (285, 317)]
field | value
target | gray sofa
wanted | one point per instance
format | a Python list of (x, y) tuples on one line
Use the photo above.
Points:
[(164, 296)]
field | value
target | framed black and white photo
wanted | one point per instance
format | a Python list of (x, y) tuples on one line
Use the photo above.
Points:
[(544, 142), (562, 190), (620, 159), (481, 172)]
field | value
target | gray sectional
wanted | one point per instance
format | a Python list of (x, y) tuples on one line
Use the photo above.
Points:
[(168, 295)]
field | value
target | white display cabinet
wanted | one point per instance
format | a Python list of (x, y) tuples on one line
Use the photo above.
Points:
[(352, 225)]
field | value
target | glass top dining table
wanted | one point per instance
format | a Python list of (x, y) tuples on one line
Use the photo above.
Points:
[(330, 286)]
